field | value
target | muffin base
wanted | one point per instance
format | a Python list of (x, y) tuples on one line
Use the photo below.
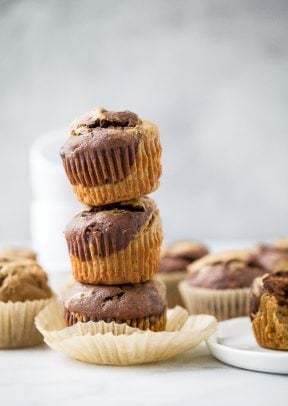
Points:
[(17, 327), (135, 264), (143, 177), (270, 324), (171, 281), (223, 304), (153, 323)]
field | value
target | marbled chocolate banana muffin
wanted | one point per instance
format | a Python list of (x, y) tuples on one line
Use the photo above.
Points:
[(140, 305), (173, 266), (22, 279), (24, 291), (115, 244), (219, 284), (269, 310), (112, 156)]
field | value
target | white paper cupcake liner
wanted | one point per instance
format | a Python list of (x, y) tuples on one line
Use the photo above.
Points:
[(17, 323), (119, 344), (221, 303)]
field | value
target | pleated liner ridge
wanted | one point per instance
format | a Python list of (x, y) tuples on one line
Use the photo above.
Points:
[(136, 263), (17, 327), (153, 323), (134, 171), (222, 303)]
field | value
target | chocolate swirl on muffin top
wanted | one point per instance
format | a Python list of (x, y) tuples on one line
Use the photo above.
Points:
[(101, 118), (275, 284), (108, 229), (229, 270), (102, 147)]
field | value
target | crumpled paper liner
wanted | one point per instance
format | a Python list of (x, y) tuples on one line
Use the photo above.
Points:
[(222, 303), (119, 344), (17, 323), (171, 280)]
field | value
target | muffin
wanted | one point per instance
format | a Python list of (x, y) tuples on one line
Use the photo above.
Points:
[(24, 291), (273, 256), (16, 252), (173, 263), (218, 284), (139, 305), (269, 310), (115, 244), (112, 156)]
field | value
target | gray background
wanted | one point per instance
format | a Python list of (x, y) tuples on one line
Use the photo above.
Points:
[(211, 74)]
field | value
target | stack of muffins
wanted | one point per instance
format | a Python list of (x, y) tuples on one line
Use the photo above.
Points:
[(112, 160)]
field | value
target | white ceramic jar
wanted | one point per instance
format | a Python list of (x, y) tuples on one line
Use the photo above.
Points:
[(53, 202)]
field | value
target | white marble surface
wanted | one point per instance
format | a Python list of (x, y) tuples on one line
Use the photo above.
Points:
[(40, 376)]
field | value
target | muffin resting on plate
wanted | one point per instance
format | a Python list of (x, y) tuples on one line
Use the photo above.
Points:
[(273, 256), (173, 263), (116, 243), (24, 291), (269, 310), (112, 156), (16, 252), (139, 305), (219, 284)]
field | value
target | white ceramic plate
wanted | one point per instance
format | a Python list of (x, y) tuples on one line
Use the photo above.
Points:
[(234, 344)]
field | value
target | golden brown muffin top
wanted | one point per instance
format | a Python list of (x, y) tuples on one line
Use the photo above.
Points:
[(226, 270), (22, 279), (17, 252)]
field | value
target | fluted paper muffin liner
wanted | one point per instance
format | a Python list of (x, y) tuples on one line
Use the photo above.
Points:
[(17, 323), (172, 280), (119, 344), (221, 303), (154, 323), (269, 325), (135, 264), (93, 168), (139, 179)]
